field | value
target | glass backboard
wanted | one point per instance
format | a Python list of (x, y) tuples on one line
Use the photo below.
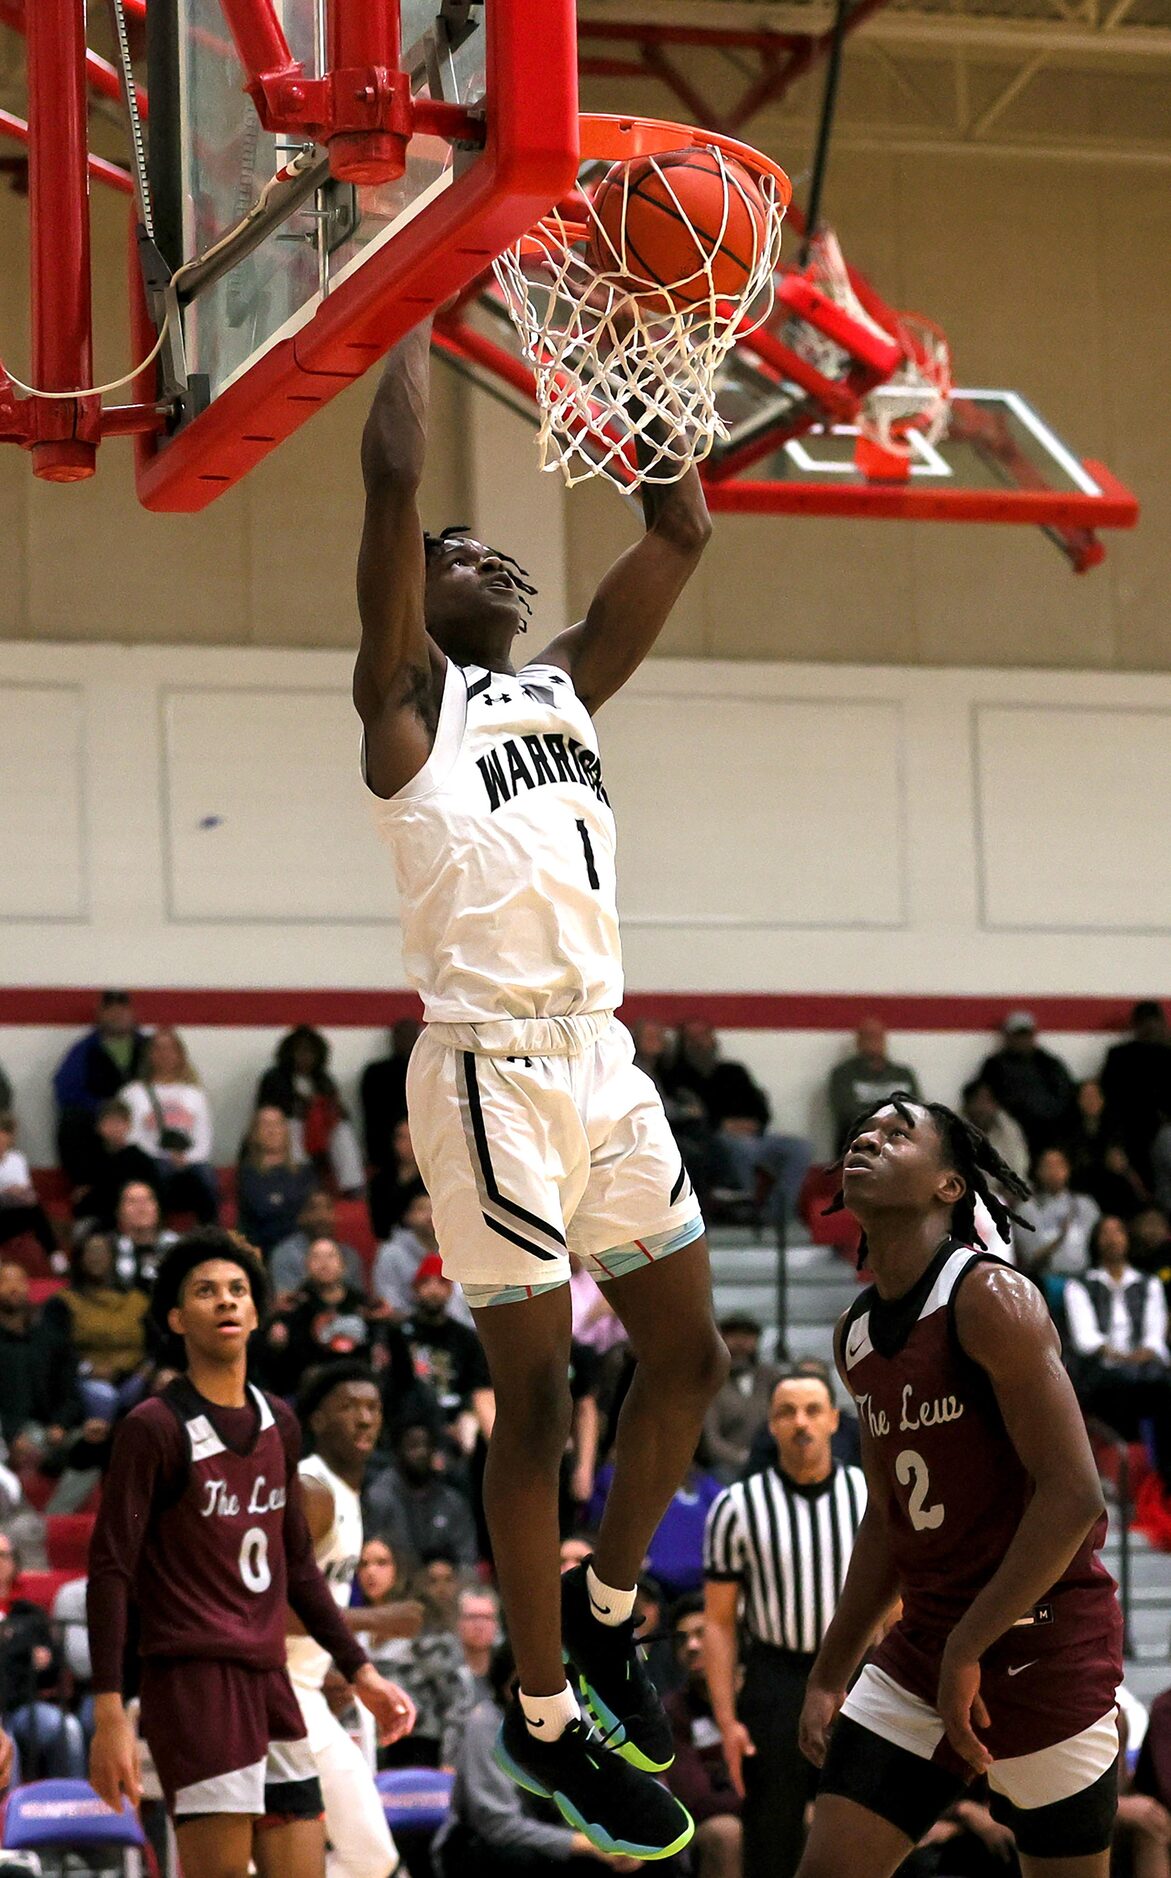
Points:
[(346, 270)]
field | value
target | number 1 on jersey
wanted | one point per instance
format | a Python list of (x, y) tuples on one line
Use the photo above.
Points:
[(588, 846)]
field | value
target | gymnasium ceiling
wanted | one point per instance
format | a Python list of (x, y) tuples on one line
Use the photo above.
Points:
[(1071, 79)]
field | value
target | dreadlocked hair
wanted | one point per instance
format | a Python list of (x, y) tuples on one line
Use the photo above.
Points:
[(435, 545), (967, 1151)]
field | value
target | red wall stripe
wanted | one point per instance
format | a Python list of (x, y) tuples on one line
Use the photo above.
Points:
[(72, 1007)]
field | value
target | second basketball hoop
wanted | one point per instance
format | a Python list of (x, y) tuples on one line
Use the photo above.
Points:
[(628, 297)]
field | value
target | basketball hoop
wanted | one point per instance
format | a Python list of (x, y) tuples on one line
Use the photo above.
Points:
[(625, 359), (915, 399)]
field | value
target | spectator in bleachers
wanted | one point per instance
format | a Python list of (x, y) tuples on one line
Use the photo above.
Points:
[(981, 1108), (317, 1220), (1062, 1221), (170, 1119), (685, 1112), (324, 1321), (1150, 1240), (1136, 1082), (413, 1507), (140, 1238), (92, 1070), (699, 1773), (448, 1356), (116, 1163), (1032, 1084), (383, 1092), (741, 1408), (50, 1741), (39, 1401), (478, 1626), (429, 1666), (866, 1078), (1117, 1319), (1101, 1165), (6, 1095), (20, 1210), (104, 1321), (400, 1257), (750, 1162), (495, 1829), (395, 1184), (595, 1321), (300, 1085), (272, 1182)]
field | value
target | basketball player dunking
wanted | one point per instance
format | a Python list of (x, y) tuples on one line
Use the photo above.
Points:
[(534, 1132), (341, 1408), (202, 1526), (984, 1515)]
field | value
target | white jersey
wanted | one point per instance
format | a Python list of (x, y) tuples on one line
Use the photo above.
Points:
[(503, 847), (338, 1555)]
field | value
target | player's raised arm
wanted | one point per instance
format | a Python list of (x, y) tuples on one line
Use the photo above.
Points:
[(399, 671), (632, 605)]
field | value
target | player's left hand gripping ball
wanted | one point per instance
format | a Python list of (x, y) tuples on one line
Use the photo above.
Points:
[(390, 1706)]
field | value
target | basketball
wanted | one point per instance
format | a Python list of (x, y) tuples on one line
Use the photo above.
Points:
[(670, 217)]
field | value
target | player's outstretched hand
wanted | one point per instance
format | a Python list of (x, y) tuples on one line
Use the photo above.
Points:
[(390, 1706), (818, 1714), (961, 1708), (113, 1757)]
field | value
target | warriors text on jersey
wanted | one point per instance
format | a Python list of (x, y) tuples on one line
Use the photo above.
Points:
[(337, 1555), (503, 847), (201, 1526), (955, 1488)]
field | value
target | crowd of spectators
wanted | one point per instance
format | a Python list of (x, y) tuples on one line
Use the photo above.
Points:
[(338, 1208)]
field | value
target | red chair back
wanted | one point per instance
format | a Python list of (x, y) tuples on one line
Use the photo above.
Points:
[(67, 1537)]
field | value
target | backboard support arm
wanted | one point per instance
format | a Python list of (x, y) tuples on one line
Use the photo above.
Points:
[(66, 431)]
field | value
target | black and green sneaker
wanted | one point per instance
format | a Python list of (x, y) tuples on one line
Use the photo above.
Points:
[(620, 1810), (614, 1679)]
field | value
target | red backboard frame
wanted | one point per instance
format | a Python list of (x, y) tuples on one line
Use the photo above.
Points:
[(530, 161)]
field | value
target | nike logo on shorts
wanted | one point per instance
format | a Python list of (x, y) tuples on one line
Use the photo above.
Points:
[(1020, 1666)]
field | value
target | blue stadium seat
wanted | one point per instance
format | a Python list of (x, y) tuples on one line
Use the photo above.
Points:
[(67, 1816), (415, 1799)]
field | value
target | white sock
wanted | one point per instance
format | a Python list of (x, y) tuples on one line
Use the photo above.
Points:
[(608, 1605), (548, 1716)]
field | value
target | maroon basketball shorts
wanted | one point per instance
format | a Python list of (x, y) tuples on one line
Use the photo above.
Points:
[(227, 1739), (1053, 1740)]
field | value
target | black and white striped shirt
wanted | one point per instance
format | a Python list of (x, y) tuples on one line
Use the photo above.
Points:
[(788, 1546)]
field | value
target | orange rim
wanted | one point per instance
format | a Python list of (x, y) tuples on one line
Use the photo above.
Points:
[(611, 139)]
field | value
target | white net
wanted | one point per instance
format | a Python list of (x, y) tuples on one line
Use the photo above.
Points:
[(626, 370), (917, 395)]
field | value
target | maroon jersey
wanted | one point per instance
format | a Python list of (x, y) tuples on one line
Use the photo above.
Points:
[(201, 1523), (955, 1488)]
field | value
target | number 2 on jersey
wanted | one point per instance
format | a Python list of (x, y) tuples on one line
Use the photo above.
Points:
[(911, 1471), (588, 846)]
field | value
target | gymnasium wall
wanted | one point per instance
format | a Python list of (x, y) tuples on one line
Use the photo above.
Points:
[(1048, 276), (823, 839)]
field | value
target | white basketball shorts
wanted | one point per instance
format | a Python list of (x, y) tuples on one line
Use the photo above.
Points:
[(549, 1141)]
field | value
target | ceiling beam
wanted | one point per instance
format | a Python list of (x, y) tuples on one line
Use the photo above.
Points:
[(893, 25)]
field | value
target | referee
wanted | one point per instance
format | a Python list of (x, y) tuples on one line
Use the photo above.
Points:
[(776, 1548)]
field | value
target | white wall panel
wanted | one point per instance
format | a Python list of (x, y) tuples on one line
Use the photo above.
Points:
[(268, 818), (1075, 807), (42, 829), (742, 811)]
